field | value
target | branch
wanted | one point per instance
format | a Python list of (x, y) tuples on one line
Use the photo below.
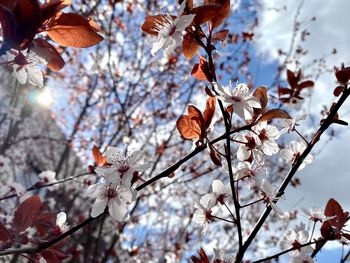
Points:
[(327, 122)]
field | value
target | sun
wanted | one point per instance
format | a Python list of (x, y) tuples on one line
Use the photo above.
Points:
[(44, 98)]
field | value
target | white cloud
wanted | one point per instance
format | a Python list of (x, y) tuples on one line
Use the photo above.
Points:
[(329, 30)]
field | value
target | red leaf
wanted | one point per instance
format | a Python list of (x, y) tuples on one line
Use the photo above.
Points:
[(49, 53), (27, 213), (338, 90), (189, 46), (209, 112), (274, 114), (306, 84), (333, 208), (188, 128), (53, 256), (261, 94), (4, 233), (99, 159), (201, 71), (73, 30), (214, 156)]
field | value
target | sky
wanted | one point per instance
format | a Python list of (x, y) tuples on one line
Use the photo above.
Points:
[(328, 176)]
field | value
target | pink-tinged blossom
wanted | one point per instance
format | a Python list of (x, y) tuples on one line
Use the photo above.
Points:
[(115, 196), (294, 238), (249, 145), (202, 216), (294, 151), (316, 214), (48, 177), (270, 196), (170, 31), (61, 224), (250, 172), (25, 67), (290, 124), (219, 194), (240, 98), (268, 134), (121, 167)]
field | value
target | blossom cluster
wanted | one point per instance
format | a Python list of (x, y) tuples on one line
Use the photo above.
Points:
[(115, 189)]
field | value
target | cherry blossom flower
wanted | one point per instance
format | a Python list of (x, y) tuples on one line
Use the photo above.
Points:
[(48, 177), (120, 167), (294, 238), (316, 214), (270, 196), (294, 151), (203, 216), (61, 224), (115, 196), (249, 146), (290, 124), (250, 172), (219, 194), (268, 134), (25, 67), (240, 98), (170, 31)]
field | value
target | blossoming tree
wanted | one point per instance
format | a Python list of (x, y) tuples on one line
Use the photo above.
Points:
[(161, 156)]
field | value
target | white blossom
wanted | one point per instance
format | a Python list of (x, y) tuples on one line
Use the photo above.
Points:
[(316, 214), (270, 196), (240, 98), (170, 31), (115, 196), (219, 194), (250, 172), (268, 134), (25, 67), (121, 167), (61, 223), (202, 216), (294, 151), (248, 145), (294, 238), (48, 177)]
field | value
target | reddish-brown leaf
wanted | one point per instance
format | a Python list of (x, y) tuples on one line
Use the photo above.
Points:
[(73, 30), (99, 159), (4, 233), (52, 7), (274, 114), (306, 84), (214, 156), (214, 12), (26, 213), (338, 90), (209, 111), (188, 128), (261, 94), (45, 50), (333, 208), (247, 36), (201, 71), (189, 46), (44, 221), (52, 255)]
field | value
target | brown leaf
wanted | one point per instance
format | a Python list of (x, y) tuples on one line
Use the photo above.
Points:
[(99, 159), (52, 7), (26, 213), (209, 111), (261, 94), (201, 71), (306, 84), (188, 128), (189, 46), (73, 30), (45, 50), (4, 233), (333, 208), (214, 12), (220, 36), (214, 156), (338, 91), (274, 114)]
